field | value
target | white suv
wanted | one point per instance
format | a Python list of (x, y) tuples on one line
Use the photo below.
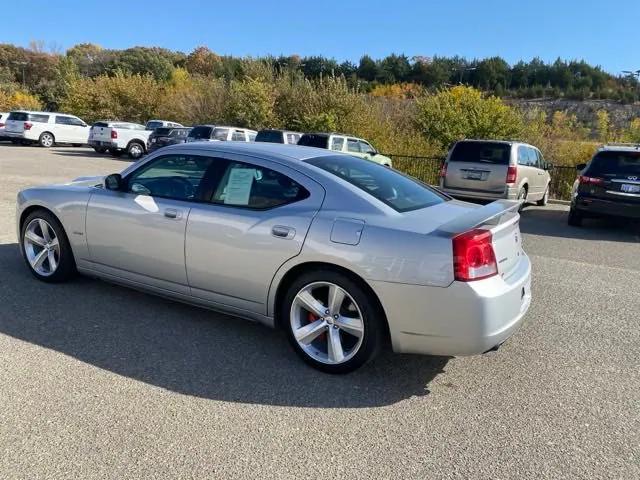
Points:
[(215, 133), (45, 128), (338, 142)]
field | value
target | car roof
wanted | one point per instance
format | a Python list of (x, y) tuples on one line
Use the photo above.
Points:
[(505, 142), (43, 113), (335, 133), (620, 147)]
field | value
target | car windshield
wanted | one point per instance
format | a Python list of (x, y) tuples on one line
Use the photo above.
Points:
[(398, 191), (481, 152), (314, 140), (613, 164), (271, 136), (152, 125)]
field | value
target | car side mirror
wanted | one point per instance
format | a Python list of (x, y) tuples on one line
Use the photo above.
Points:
[(581, 166), (113, 182)]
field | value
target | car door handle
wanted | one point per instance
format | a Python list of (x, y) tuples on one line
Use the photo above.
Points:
[(281, 231), (172, 213)]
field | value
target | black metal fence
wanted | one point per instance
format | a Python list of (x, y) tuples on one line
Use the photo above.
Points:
[(427, 169)]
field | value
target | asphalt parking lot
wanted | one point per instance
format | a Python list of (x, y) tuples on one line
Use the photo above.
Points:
[(98, 381)]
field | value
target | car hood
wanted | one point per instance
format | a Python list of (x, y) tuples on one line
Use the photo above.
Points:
[(87, 181)]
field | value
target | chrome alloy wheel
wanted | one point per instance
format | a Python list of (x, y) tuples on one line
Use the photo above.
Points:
[(41, 247), (136, 150), (326, 323), (46, 140)]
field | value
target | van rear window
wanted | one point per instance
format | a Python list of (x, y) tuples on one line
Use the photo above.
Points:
[(314, 140), (614, 164), (481, 152), (18, 116)]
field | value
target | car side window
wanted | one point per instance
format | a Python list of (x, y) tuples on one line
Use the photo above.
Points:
[(365, 147), (220, 133), (523, 155), (293, 138), (256, 187), (353, 146), (238, 136), (533, 158), (172, 176), (337, 143), (541, 163), (252, 136), (60, 120), (37, 117)]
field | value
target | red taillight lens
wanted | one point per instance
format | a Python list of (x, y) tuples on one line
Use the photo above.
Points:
[(584, 180), (27, 125), (443, 170), (473, 256), (512, 173), (1, 124), (114, 134)]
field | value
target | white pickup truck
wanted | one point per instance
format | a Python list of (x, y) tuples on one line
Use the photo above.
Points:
[(118, 138)]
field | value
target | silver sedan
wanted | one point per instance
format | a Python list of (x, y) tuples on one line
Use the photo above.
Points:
[(340, 252)]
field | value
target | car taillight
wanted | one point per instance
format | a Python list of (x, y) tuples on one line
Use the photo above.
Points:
[(584, 180), (512, 173), (114, 134), (1, 124), (443, 170), (27, 125), (473, 255)]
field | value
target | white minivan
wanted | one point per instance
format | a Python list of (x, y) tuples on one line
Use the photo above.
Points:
[(45, 128)]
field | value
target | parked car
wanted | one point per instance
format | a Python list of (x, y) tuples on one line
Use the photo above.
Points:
[(278, 136), (3, 120), (344, 143), (153, 124), (45, 128), (340, 252), (119, 137), (164, 136), (490, 169), (608, 186), (215, 133)]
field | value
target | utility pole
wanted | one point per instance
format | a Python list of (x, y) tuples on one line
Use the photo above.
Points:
[(23, 64)]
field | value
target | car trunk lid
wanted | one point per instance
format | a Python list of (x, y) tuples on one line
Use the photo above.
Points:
[(478, 166)]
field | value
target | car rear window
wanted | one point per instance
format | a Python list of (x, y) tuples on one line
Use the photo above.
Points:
[(18, 116), (481, 152), (153, 125), (162, 131), (271, 136), (400, 192), (314, 140), (614, 164), (100, 124), (200, 132)]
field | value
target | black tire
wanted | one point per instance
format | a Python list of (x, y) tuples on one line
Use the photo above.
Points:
[(100, 149), (46, 140), (522, 195), (372, 319), (66, 269), (76, 145), (135, 150), (115, 152), (575, 218), (545, 199), (15, 141)]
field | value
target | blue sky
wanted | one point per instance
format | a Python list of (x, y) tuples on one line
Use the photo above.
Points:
[(603, 33)]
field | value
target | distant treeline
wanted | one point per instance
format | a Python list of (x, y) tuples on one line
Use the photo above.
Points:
[(38, 69)]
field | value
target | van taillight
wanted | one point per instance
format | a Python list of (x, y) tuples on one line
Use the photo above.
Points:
[(512, 173), (584, 180), (114, 134), (1, 124), (473, 256), (27, 125), (443, 170)]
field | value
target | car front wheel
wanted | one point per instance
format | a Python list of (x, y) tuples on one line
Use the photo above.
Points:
[(332, 323), (545, 199), (575, 218), (46, 249)]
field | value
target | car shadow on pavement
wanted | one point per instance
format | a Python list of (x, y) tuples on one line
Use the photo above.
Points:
[(189, 350), (553, 223), (84, 152)]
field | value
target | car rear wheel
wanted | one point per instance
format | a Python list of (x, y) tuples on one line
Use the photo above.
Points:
[(46, 249), (575, 218), (332, 323), (115, 152), (135, 150), (545, 199), (46, 140)]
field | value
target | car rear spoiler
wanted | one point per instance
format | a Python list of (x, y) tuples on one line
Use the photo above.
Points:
[(494, 213)]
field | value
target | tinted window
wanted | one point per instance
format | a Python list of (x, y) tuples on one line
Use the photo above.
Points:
[(200, 132), (238, 136), (18, 116), (270, 136), (337, 143), (153, 125), (352, 145), (171, 176), (62, 120), (220, 133), (37, 117), (160, 132), (613, 164), (252, 186), (313, 140), (365, 147), (400, 192), (178, 132), (481, 152)]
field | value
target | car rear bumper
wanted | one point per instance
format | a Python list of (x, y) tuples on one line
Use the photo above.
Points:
[(99, 143), (510, 193), (597, 206), (465, 318), (20, 135)]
